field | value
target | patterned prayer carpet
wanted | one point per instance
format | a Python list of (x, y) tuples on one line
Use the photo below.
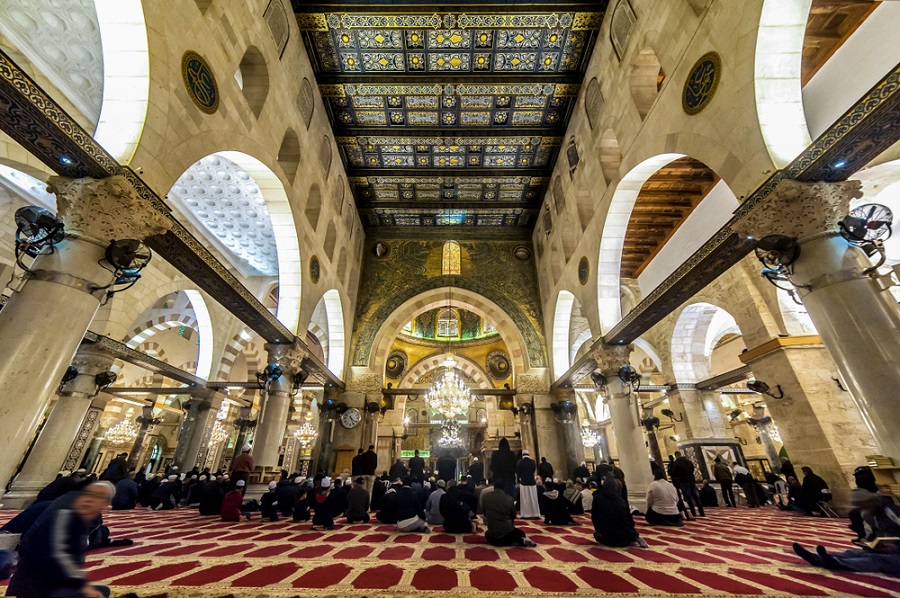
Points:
[(732, 552)]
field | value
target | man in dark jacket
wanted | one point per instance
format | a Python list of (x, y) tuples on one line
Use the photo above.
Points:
[(457, 514), (556, 511), (545, 469), (166, 495), (117, 469), (503, 467), (388, 511), (126, 494), (499, 516), (287, 495), (398, 470), (358, 502), (410, 510), (417, 467), (52, 551), (682, 472), (811, 492), (369, 467), (59, 486), (446, 467), (356, 464), (211, 497), (612, 519), (581, 472)]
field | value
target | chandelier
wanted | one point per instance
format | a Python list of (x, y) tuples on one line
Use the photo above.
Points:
[(123, 433), (449, 395), (589, 438), (306, 434), (450, 434)]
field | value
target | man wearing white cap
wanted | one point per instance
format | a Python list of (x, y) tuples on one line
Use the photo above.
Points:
[(242, 466), (528, 500), (232, 503), (267, 503)]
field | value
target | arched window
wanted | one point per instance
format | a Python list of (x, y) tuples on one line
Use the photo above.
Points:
[(448, 324), (450, 261)]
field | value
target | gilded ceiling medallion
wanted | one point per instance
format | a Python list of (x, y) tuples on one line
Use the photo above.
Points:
[(200, 82), (702, 83)]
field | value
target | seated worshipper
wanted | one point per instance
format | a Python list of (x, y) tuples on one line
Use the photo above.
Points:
[(499, 516), (528, 497), (165, 497), (339, 497), (572, 494), (195, 493), (811, 492), (148, 488), (662, 502), (268, 503), (232, 503), (358, 502), (581, 472), (410, 510), (63, 483), (555, 508), (882, 552), (301, 505), (612, 519), (126, 493), (587, 496), (793, 492), (388, 511), (211, 497), (708, 496), (287, 494), (378, 489), (323, 503), (433, 504), (865, 479), (457, 514), (52, 552)]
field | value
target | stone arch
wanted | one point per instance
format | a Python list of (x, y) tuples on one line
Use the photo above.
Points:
[(139, 335), (610, 155), (252, 77), (698, 328), (289, 154), (646, 80), (383, 337), (570, 331), (152, 349), (276, 206), (776, 84), (435, 361), (313, 206), (241, 343), (334, 345)]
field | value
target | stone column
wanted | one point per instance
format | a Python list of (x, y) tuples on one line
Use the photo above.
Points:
[(43, 323), (525, 405), (79, 452), (857, 320), (701, 412), (145, 421), (199, 409), (569, 427), (322, 457), (652, 440), (49, 452), (763, 424), (819, 424), (272, 420), (633, 458)]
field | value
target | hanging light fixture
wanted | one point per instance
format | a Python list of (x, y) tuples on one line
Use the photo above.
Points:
[(589, 438), (449, 394), (307, 432), (450, 434), (123, 433), (218, 434)]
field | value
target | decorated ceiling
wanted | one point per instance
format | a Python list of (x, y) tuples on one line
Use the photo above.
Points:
[(449, 117)]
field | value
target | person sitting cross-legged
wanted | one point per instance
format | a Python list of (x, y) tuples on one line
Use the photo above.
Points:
[(556, 509), (410, 509), (662, 502), (882, 552), (500, 516), (268, 503), (457, 514), (358, 502), (612, 519)]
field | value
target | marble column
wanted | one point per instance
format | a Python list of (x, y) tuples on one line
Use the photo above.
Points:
[(322, 458), (199, 410), (621, 398), (272, 421), (652, 440), (145, 421), (569, 428), (763, 424), (857, 319), (701, 411), (80, 451), (49, 452), (525, 405), (43, 323)]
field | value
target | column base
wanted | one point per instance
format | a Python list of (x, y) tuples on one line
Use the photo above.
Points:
[(21, 495), (637, 499)]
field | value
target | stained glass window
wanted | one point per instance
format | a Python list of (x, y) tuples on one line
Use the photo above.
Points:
[(451, 259)]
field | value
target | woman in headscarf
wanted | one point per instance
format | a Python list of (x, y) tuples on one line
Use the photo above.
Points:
[(613, 523), (503, 467)]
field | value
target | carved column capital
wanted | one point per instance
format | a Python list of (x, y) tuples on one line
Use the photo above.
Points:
[(610, 358), (105, 209), (289, 356), (801, 210)]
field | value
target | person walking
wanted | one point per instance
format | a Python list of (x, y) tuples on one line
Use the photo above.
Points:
[(722, 474), (683, 478), (747, 483)]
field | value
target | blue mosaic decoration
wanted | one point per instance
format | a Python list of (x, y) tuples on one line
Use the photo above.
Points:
[(702, 83), (200, 82)]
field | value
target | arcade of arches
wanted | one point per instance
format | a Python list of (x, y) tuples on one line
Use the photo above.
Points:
[(574, 206)]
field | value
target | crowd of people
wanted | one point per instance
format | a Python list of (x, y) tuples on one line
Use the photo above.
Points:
[(68, 511)]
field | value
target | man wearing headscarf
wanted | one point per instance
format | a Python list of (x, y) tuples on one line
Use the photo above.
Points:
[(528, 498), (242, 466), (503, 467)]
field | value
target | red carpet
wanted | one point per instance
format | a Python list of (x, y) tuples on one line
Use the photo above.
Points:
[(729, 553)]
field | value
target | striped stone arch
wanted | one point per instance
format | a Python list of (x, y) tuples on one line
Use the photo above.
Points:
[(321, 335), (433, 362), (189, 366), (151, 381), (152, 349), (141, 333), (241, 343)]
